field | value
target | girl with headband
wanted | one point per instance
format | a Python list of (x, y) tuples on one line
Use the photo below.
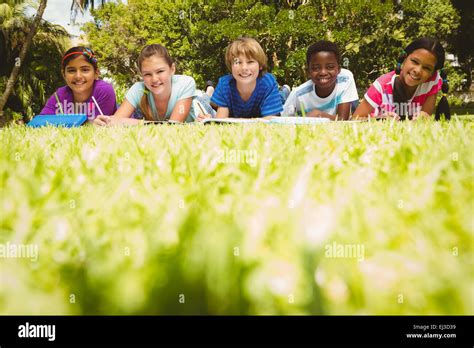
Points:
[(84, 92), (410, 91)]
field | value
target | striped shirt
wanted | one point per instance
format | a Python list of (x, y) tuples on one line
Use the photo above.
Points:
[(305, 96), (380, 95), (264, 101)]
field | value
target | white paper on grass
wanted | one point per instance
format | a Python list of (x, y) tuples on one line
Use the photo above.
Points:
[(274, 120)]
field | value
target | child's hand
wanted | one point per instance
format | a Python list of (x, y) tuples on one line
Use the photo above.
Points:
[(202, 117), (421, 116), (390, 115), (117, 121), (102, 121)]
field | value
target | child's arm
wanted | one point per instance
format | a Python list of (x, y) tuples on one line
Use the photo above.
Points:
[(427, 109), (125, 110), (222, 112), (121, 116), (343, 111), (181, 110), (185, 93), (348, 96), (363, 110), (429, 104), (124, 113), (321, 114), (271, 104), (290, 107)]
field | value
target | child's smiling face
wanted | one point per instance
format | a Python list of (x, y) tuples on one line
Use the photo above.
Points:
[(245, 69), (80, 75), (418, 67), (157, 74), (323, 71)]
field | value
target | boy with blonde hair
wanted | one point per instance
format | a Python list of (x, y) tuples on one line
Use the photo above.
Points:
[(249, 91)]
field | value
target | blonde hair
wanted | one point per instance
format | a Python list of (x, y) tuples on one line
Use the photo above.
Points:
[(248, 47), (147, 52)]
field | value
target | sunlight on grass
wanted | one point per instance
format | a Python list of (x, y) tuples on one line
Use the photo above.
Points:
[(371, 218)]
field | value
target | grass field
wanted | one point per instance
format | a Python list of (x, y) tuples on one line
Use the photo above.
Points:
[(367, 218)]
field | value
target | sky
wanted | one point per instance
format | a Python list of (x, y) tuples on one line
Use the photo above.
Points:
[(59, 12)]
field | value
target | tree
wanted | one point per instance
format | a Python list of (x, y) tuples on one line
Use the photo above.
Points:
[(39, 74), (370, 35), (463, 40), (16, 69), (81, 6)]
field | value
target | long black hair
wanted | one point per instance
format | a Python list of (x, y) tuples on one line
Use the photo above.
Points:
[(399, 93), (443, 105)]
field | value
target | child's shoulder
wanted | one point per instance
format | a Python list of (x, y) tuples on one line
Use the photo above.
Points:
[(63, 90), (344, 76), (386, 78), (137, 90), (268, 79), (183, 79), (100, 82), (434, 77), (137, 86), (305, 88), (225, 78), (267, 82), (183, 83), (103, 85)]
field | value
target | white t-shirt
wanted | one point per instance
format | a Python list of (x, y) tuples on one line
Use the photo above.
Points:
[(344, 92), (181, 87)]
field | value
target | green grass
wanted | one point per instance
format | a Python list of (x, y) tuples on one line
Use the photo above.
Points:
[(149, 220)]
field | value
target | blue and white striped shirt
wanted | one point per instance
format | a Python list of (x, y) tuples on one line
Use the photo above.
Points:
[(264, 101)]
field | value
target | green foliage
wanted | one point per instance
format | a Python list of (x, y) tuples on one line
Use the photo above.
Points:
[(436, 19), (455, 78), (128, 219), (463, 40), (40, 72), (369, 34)]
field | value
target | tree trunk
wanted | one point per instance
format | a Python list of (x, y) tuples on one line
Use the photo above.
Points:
[(16, 68)]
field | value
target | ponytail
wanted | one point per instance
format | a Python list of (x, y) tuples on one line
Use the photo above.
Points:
[(443, 105), (145, 108)]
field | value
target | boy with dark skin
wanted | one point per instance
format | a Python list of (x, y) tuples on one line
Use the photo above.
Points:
[(330, 90)]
